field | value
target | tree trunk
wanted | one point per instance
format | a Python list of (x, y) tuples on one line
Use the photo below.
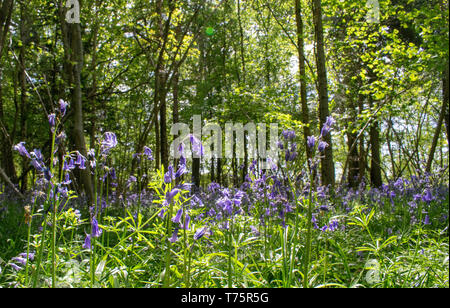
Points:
[(164, 144), (77, 103), (303, 79), (436, 136), (375, 165), (7, 162), (327, 162), (24, 36), (353, 167), (445, 85), (6, 8)]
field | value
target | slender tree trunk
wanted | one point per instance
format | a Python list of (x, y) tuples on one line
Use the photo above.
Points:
[(161, 95), (353, 168), (303, 79), (24, 36), (77, 101), (164, 144), (445, 89), (327, 162), (244, 73), (7, 162), (157, 144), (436, 137), (362, 151), (375, 165), (6, 8)]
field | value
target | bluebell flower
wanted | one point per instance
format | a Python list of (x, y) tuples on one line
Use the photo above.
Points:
[(87, 242), (187, 220), (169, 176), (39, 167), (37, 154), (52, 120), (199, 233), (63, 107), (148, 152), (20, 260), (174, 237), (288, 134), (20, 147), (96, 231), (30, 255), (197, 146), (67, 179), (427, 197), (311, 141), (15, 266), (109, 141), (330, 121), (322, 146), (171, 194), (182, 161), (177, 218), (181, 170)]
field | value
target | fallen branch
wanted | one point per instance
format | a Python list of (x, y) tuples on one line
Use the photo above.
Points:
[(8, 181)]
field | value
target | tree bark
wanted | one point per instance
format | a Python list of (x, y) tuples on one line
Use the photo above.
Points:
[(6, 8), (375, 165), (445, 85), (73, 51), (327, 162), (77, 101), (24, 36), (303, 79), (436, 136)]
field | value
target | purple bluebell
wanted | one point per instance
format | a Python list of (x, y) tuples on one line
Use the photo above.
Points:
[(20, 147), (171, 194), (174, 237), (197, 146), (311, 142), (37, 154), (169, 176), (96, 231), (15, 266), (199, 233), (181, 170), (87, 242), (38, 166), (322, 146), (52, 120), (288, 134), (109, 141), (148, 153), (330, 121), (30, 255), (177, 218), (67, 179), (427, 197), (20, 260), (187, 220), (63, 107)]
